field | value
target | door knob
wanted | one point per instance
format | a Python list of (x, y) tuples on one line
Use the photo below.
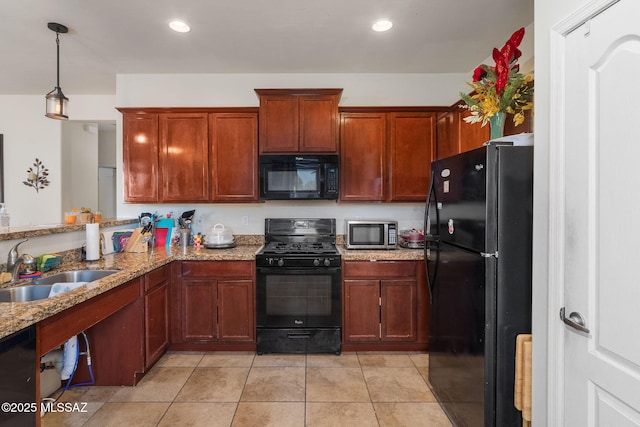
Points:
[(575, 320)]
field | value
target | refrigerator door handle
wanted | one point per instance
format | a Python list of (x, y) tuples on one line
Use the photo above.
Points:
[(430, 238), (575, 320)]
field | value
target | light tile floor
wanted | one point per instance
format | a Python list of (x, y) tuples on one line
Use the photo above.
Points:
[(242, 389)]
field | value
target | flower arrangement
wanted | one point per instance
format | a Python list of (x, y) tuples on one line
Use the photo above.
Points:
[(501, 88)]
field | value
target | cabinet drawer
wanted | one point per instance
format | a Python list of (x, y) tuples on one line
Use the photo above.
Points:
[(379, 269), (157, 277), (215, 269)]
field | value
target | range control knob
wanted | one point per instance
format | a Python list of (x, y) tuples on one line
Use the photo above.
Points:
[(316, 262), (280, 262), (327, 262)]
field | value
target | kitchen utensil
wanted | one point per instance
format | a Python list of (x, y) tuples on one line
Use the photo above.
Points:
[(220, 245), (412, 235), (185, 236), (219, 235)]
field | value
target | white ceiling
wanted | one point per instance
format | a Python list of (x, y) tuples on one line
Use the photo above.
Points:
[(109, 37)]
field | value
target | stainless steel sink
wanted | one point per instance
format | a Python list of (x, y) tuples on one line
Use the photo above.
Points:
[(25, 293), (73, 276), (40, 288)]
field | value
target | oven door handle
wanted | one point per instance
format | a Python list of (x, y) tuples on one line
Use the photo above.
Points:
[(294, 270)]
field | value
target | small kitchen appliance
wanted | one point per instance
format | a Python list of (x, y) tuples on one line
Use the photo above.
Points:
[(286, 177), (299, 287), (371, 234)]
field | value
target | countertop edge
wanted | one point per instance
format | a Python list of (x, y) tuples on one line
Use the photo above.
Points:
[(15, 316)]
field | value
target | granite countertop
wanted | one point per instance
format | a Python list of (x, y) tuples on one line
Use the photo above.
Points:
[(22, 232), (15, 316), (399, 254)]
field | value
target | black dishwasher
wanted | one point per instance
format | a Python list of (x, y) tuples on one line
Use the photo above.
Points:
[(18, 378)]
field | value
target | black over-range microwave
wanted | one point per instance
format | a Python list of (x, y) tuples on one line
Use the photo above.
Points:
[(285, 177)]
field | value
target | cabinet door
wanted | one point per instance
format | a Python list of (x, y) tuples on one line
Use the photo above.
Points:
[(234, 156), (472, 135), (140, 157), (156, 323), (199, 310), (184, 155), (361, 310), (398, 310), (236, 310), (447, 135), (412, 139), (278, 124), (318, 118), (362, 149)]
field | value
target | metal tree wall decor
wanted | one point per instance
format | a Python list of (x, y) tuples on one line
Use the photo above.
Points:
[(37, 176)]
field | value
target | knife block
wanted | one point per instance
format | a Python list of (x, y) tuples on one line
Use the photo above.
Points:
[(138, 242)]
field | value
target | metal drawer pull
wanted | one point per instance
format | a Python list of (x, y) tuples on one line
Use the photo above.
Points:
[(575, 320)]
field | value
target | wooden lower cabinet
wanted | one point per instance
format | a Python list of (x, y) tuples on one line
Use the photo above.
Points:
[(385, 306), (156, 314), (214, 306), (113, 323)]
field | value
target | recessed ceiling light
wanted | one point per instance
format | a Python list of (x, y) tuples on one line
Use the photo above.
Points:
[(382, 25), (179, 26)]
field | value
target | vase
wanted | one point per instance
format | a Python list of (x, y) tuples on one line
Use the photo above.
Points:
[(496, 124)]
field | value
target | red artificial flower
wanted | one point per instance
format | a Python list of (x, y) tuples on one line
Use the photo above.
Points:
[(516, 37), (502, 71), (478, 74)]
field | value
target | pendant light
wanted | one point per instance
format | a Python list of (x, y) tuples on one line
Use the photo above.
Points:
[(56, 101)]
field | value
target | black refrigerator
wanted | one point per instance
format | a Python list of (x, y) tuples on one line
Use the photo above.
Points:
[(478, 227)]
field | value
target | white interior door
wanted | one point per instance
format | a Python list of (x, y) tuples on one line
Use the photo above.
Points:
[(601, 219)]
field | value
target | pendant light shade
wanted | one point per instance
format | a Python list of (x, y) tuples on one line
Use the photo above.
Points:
[(56, 101)]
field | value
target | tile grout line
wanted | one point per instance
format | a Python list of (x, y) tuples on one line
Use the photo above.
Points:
[(366, 384), (193, 370)]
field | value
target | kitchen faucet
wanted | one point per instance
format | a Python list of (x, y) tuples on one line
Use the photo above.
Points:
[(15, 260)]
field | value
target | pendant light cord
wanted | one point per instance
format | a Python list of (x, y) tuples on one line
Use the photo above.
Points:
[(58, 60)]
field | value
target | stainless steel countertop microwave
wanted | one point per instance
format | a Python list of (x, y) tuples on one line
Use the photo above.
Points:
[(371, 234)]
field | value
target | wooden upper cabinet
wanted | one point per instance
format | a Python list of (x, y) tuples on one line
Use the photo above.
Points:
[(472, 135), (184, 154), (386, 155), (233, 158), (447, 135), (412, 138), (457, 136), (318, 123), (454, 135), (140, 158), (278, 124), (362, 156), (298, 120)]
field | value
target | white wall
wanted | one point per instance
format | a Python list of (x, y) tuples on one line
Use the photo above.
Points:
[(79, 165), (232, 90), (28, 135), (107, 145)]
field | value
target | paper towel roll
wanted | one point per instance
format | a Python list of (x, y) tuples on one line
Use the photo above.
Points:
[(93, 242)]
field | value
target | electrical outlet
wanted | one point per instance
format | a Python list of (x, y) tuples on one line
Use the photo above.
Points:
[(245, 219)]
